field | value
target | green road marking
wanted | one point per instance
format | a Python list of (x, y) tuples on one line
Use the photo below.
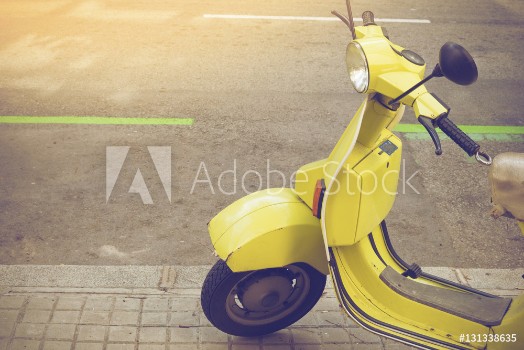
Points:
[(94, 120), (500, 133), (468, 129)]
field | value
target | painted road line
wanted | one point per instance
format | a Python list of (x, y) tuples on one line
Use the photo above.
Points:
[(414, 131), (496, 133), (85, 120), (473, 129), (312, 18)]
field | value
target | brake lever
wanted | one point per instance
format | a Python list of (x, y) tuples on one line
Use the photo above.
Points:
[(430, 128)]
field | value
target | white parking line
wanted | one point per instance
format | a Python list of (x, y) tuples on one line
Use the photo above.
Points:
[(307, 18)]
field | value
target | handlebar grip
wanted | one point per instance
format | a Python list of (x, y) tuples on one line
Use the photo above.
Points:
[(464, 141), (368, 18)]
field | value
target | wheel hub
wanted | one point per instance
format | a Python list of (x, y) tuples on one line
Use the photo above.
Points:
[(265, 296), (270, 300), (266, 292)]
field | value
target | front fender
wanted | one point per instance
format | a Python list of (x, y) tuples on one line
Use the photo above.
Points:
[(270, 228)]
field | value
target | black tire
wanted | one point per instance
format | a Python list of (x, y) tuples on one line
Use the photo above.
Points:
[(225, 295)]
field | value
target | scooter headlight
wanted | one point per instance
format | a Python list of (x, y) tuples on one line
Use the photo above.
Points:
[(357, 67)]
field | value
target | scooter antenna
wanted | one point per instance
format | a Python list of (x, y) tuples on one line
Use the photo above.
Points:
[(350, 17), (347, 20)]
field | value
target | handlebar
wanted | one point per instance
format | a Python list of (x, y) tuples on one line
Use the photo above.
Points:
[(453, 131), (429, 104), (464, 141)]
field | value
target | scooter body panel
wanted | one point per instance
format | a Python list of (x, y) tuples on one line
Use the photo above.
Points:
[(366, 187), (270, 228)]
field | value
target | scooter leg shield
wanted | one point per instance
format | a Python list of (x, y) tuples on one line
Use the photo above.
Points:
[(270, 228)]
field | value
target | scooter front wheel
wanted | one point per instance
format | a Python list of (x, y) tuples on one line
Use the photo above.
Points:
[(259, 302)]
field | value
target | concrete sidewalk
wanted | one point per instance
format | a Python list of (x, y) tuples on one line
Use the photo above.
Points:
[(158, 307)]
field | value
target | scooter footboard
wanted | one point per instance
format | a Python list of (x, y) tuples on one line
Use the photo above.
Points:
[(270, 228), (425, 311)]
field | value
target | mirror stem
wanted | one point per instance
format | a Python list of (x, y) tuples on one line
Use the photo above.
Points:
[(436, 73)]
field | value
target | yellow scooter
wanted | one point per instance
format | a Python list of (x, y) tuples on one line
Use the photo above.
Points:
[(277, 246)]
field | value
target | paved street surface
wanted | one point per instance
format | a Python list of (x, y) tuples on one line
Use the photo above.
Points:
[(264, 94), (51, 308)]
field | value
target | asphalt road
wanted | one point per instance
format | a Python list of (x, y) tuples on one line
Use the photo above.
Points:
[(260, 92)]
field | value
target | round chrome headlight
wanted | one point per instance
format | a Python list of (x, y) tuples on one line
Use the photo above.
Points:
[(357, 67)]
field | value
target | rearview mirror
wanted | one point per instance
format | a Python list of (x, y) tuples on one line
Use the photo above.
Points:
[(457, 65)]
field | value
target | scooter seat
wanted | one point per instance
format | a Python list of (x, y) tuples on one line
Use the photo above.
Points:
[(507, 185)]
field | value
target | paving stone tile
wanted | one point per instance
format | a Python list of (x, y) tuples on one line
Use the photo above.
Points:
[(37, 316), (30, 330), (184, 304), (183, 335), (130, 304), (306, 336), (60, 331), (327, 304), (312, 347), (8, 316), (98, 304), (122, 334), (331, 318), (334, 335), (184, 318), (70, 303), (61, 316), (280, 337), (153, 334), (11, 301), (360, 335), (124, 318), (212, 335), (245, 347), (121, 346), (278, 347), (211, 346), (6, 328), (91, 332), (24, 344), (3, 343), (57, 345), (41, 303), (309, 320), (89, 346), (154, 318), (156, 304), (246, 340), (203, 321), (95, 317), (363, 346), (347, 346), (183, 347), (151, 347)]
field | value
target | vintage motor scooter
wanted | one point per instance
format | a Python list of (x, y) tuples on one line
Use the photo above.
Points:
[(277, 246)]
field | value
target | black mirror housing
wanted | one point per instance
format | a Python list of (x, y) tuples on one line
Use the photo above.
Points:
[(457, 65)]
